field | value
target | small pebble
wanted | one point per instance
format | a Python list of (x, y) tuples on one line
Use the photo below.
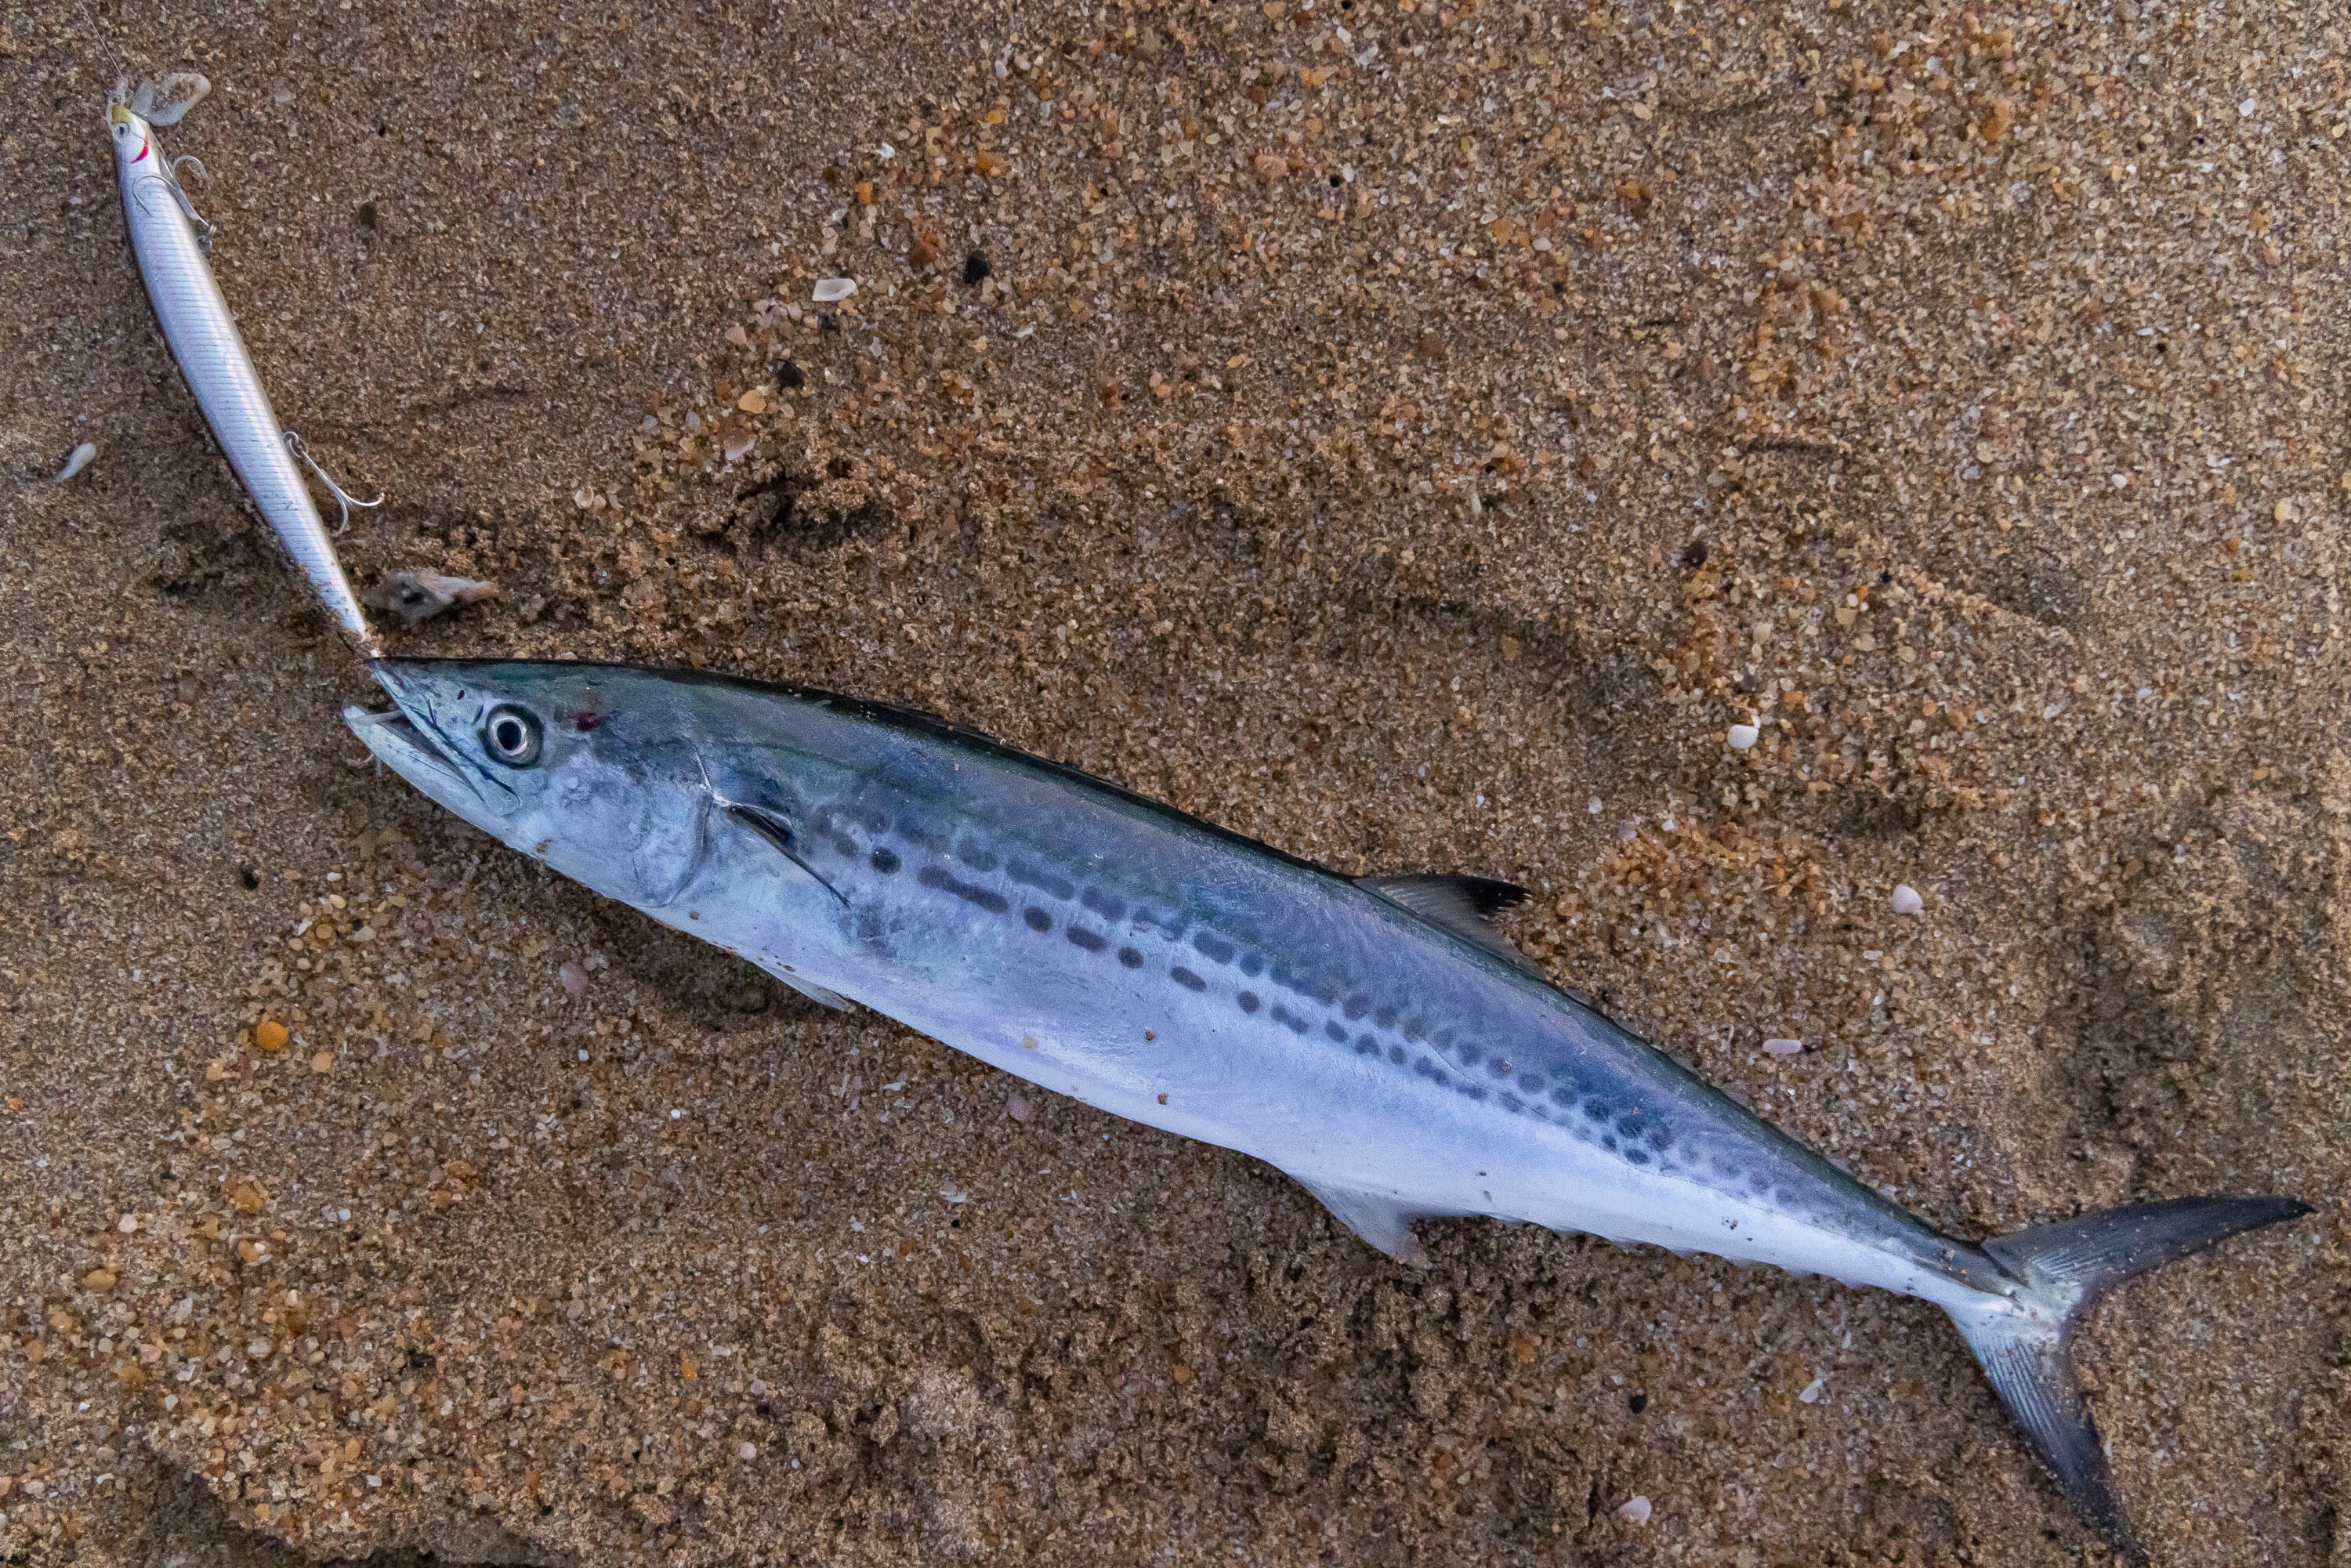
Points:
[(1019, 1108), (1813, 1390), (747, 1450), (270, 1035), (829, 290), (574, 978), (1635, 1512), (78, 460), (323, 1062), (1743, 736), (1783, 1047), (127, 1224), (1907, 900)]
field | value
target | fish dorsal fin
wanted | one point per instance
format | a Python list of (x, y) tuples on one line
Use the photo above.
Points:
[(1380, 1218), (1463, 905)]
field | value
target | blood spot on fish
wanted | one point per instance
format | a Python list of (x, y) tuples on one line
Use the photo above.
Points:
[(1337, 1031), (1214, 947), (1045, 881), (885, 862), (977, 858), (1037, 918), (1082, 937), (586, 722), (1103, 904), (1249, 1001), (1186, 978), (987, 898), (1130, 958)]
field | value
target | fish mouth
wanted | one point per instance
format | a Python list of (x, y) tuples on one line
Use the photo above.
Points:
[(408, 750)]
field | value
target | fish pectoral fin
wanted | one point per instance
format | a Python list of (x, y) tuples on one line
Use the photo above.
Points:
[(814, 992), (1379, 1218), (1463, 905)]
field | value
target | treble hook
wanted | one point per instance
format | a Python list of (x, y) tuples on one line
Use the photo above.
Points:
[(204, 231), (301, 449)]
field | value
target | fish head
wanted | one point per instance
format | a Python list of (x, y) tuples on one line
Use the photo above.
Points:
[(133, 140), (595, 770)]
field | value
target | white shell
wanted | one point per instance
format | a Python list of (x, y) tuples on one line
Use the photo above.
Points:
[(1743, 736), (829, 290), (78, 460), (1907, 900)]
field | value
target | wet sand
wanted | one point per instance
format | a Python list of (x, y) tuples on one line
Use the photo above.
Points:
[(1414, 437)]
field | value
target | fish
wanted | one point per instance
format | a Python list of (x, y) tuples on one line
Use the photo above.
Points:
[(1376, 1037), (170, 241), (415, 594)]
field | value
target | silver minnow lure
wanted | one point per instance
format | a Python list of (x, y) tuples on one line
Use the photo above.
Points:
[(1372, 1037), (170, 241)]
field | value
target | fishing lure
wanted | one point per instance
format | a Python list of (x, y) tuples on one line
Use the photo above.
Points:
[(170, 239)]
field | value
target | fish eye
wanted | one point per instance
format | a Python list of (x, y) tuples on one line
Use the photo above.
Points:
[(511, 735)]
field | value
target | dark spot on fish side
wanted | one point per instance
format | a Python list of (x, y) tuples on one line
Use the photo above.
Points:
[(1599, 1110), (987, 898), (1212, 945), (1514, 1104), (1337, 1031), (885, 862), (1044, 881), (1130, 958), (1564, 1095), (1082, 937), (1186, 978), (977, 858), (1252, 964), (1288, 1019), (1385, 1019), (1357, 1006), (1608, 1141), (1365, 1045), (1395, 1054), (1103, 904), (920, 833), (1636, 1153), (845, 846), (1037, 918), (1249, 1001), (1529, 1083)]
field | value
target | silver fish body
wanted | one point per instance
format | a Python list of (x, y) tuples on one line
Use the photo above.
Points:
[(1370, 1038), (212, 356)]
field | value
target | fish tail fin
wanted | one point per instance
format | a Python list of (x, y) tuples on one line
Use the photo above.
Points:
[(2063, 1269)]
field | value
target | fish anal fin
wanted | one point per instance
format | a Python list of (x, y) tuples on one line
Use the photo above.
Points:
[(814, 992), (1463, 905), (1379, 1218)]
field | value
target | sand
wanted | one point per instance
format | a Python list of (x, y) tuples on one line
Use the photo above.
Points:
[(1412, 437)]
